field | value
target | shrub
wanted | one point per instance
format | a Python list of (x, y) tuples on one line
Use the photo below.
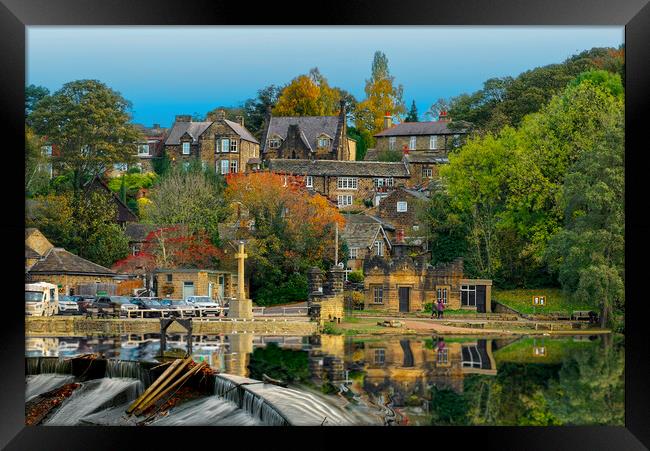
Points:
[(356, 277)]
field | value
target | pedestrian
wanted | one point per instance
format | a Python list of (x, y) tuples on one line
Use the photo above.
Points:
[(441, 308), (433, 309)]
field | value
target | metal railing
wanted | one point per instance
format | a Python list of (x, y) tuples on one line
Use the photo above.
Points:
[(280, 311)]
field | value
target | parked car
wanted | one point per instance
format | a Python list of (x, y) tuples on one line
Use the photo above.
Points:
[(146, 304), (178, 306), (103, 307), (84, 302), (68, 305), (206, 304)]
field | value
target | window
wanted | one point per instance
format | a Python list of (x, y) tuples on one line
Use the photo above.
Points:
[(347, 183), (225, 164), (274, 143), (379, 248), (186, 148), (354, 252), (443, 355), (120, 166), (433, 142), (323, 142), (309, 181), (391, 143), (344, 200), (468, 295), (143, 149), (380, 356), (169, 277), (379, 182), (427, 172), (442, 295), (389, 181), (402, 206), (225, 145), (233, 145), (233, 166), (47, 150), (378, 294), (412, 142), (471, 357)]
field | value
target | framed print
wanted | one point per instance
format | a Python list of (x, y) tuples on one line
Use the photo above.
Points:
[(401, 220)]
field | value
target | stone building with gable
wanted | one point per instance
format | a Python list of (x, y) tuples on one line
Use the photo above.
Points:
[(222, 144), (351, 185), (308, 138), (407, 284), (365, 237)]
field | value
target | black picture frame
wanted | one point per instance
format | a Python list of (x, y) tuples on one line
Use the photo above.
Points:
[(15, 15)]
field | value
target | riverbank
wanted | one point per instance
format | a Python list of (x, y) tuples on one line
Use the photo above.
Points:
[(368, 325), (76, 325)]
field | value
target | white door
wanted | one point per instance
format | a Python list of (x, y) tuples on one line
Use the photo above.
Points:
[(188, 289), (210, 286), (222, 288)]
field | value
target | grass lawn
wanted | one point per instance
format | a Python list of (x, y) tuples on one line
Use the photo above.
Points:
[(556, 350), (556, 300)]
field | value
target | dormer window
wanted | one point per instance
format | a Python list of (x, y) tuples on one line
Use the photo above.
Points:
[(323, 142), (274, 143), (143, 149), (186, 148)]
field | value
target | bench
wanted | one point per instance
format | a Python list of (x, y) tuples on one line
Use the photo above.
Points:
[(582, 315)]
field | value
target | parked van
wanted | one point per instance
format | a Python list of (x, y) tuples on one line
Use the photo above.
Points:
[(41, 299)]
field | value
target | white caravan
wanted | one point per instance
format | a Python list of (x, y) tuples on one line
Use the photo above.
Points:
[(41, 299)]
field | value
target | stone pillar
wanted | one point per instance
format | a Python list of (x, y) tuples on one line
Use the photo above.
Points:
[(241, 346), (335, 281), (315, 281), (241, 307)]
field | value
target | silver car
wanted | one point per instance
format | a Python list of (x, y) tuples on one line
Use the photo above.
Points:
[(68, 304)]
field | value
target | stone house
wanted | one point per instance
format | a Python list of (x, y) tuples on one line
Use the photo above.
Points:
[(46, 263), (351, 185), (406, 284), (401, 209), (365, 236), (151, 148), (224, 145), (181, 283), (409, 367), (308, 138)]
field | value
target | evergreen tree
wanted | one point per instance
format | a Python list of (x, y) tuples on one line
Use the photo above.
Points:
[(412, 116)]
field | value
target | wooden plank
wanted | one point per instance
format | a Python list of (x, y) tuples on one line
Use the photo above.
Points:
[(153, 386), (176, 383), (162, 387)]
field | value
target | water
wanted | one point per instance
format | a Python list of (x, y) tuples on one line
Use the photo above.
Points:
[(128, 369), (94, 396), (42, 383), (210, 411), (404, 380)]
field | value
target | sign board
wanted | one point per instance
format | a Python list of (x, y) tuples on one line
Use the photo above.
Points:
[(102, 293), (539, 300), (539, 351)]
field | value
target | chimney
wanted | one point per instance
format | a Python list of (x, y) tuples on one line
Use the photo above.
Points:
[(221, 115), (183, 118), (240, 120), (388, 120), (405, 149), (444, 117)]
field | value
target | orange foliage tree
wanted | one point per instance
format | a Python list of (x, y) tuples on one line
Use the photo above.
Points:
[(291, 229)]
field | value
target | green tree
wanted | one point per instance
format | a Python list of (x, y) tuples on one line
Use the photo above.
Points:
[(255, 109), (364, 141), (90, 125), (193, 197), (412, 115), (382, 95), (37, 176), (446, 228), (33, 94), (161, 165)]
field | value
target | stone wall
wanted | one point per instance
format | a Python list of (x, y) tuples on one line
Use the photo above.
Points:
[(221, 130), (388, 210), (416, 170), (68, 283), (201, 279), (326, 300)]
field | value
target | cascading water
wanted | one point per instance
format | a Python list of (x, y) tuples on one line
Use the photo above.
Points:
[(41, 383), (212, 411), (50, 365), (227, 389), (94, 396), (128, 369)]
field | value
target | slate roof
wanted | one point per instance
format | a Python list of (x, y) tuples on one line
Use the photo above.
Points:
[(419, 194), (194, 129), (339, 168), (31, 253), (60, 261), (310, 126), (419, 128), (137, 232), (124, 213), (360, 230), (241, 131), (419, 156), (371, 155)]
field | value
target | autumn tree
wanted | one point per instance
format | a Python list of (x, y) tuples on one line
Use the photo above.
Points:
[(309, 95), (89, 124), (291, 230), (382, 95)]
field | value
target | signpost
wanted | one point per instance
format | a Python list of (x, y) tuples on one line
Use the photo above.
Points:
[(538, 300)]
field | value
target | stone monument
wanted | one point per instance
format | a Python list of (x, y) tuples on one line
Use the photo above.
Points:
[(241, 307)]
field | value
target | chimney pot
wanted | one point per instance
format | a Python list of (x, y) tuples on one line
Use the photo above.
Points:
[(183, 118), (388, 120), (221, 115)]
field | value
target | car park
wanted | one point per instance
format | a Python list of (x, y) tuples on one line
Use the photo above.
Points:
[(206, 305), (150, 305), (103, 307), (180, 308)]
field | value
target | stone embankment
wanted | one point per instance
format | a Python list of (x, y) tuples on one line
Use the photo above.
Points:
[(71, 325)]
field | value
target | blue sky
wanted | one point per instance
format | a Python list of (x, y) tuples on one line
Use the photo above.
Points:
[(166, 71)]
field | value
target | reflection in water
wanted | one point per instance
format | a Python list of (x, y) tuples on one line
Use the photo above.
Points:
[(404, 380)]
